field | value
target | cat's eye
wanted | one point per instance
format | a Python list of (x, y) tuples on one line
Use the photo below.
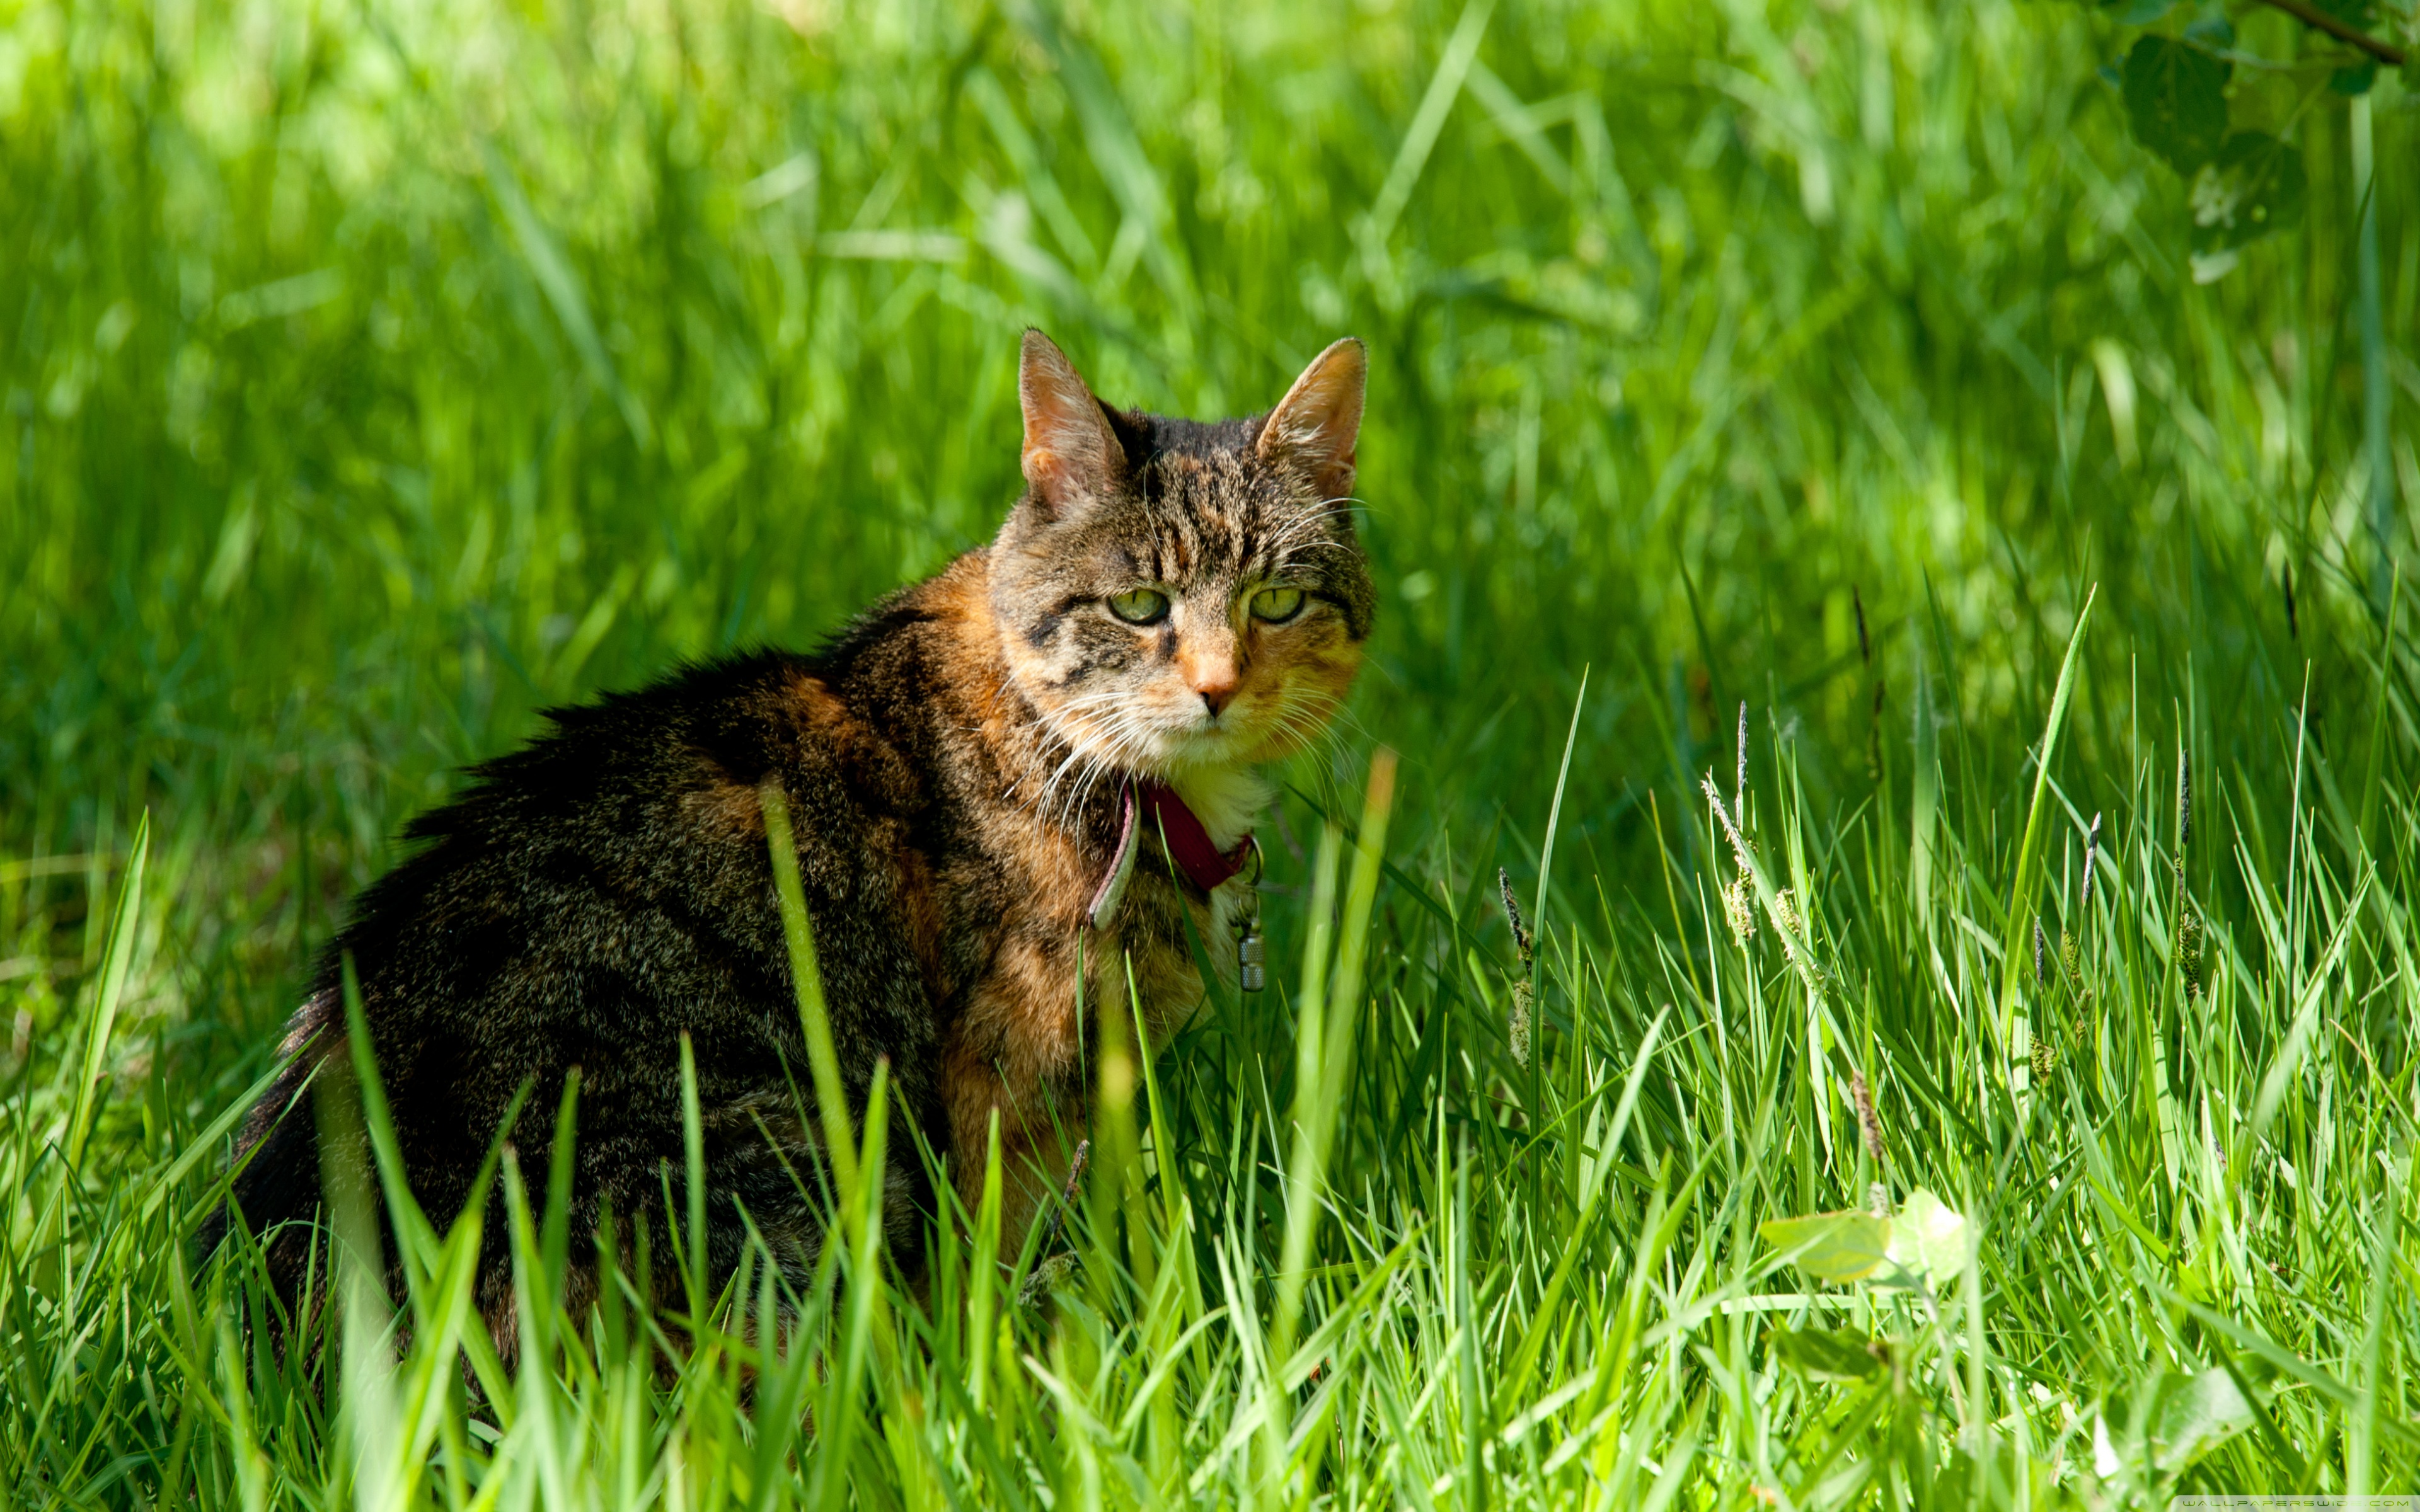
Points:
[(1275, 606), (1140, 606)]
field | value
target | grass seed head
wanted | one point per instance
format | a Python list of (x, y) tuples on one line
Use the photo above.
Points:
[(1520, 941), (1739, 909), (1874, 736), (2185, 804), (1738, 898), (1739, 842), (1524, 987), (1738, 788), (1793, 929), (2091, 851), (1870, 1123), (1517, 1029)]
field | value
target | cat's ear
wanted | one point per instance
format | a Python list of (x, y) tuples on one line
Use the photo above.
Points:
[(1071, 456), (1314, 427)]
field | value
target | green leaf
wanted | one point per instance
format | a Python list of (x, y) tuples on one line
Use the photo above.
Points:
[(1829, 1354), (2255, 186), (2176, 100), (1832, 1246), (2182, 1417), (2355, 81), (2203, 1413), (124, 924), (1928, 1238)]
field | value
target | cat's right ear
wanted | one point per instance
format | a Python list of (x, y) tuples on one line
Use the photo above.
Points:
[(1071, 458)]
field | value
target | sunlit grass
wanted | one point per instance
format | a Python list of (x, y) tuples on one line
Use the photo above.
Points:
[(376, 376)]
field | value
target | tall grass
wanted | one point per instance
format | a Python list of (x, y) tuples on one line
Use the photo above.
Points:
[(379, 375)]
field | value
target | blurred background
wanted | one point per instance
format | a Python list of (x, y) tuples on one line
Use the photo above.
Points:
[(377, 374)]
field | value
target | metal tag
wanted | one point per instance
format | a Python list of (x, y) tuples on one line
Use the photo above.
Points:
[(1252, 947), (1252, 957)]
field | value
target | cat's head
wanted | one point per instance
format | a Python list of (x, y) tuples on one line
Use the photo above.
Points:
[(1173, 595)]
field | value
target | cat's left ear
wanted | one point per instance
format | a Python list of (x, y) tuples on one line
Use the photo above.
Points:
[(1314, 427)]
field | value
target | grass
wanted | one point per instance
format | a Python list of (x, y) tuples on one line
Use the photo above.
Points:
[(377, 376)]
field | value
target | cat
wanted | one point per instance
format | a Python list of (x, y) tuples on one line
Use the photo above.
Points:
[(1046, 753)]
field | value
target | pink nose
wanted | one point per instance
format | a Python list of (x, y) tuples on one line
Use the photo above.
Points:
[(1216, 693)]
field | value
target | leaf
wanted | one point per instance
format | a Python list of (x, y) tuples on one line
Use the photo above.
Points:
[(1929, 1238), (2144, 12), (2183, 1418), (2176, 100), (1835, 1246), (124, 924), (1829, 1354), (2255, 186), (2355, 81), (2203, 1413), (2187, 1279)]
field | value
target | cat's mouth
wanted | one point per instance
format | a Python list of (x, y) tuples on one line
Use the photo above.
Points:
[(1204, 740), (1237, 735), (1168, 746), (1209, 738)]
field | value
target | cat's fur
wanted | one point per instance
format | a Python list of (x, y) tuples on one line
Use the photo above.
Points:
[(951, 763)]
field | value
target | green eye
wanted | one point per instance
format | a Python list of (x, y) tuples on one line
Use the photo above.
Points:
[(1276, 605), (1140, 606)]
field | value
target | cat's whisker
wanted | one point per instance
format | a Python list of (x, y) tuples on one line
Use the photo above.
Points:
[(1310, 734), (1075, 754), (1314, 719), (1103, 747)]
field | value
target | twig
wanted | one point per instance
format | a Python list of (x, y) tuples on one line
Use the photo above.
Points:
[(1050, 1266), (2343, 31)]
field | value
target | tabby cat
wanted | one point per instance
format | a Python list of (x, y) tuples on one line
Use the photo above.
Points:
[(1043, 755)]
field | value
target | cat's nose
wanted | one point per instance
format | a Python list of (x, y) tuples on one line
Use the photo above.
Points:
[(1212, 671)]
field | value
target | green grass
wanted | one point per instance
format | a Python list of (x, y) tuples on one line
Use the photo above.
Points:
[(375, 375)]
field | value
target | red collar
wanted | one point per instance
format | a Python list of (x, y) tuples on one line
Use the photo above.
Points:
[(1187, 842)]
